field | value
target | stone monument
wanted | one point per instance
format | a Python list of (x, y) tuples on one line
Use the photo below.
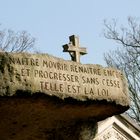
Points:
[(47, 98)]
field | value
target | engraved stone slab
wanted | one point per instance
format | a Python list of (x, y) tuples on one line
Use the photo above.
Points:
[(57, 77)]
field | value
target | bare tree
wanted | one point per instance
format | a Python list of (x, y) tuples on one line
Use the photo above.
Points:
[(127, 58), (11, 41)]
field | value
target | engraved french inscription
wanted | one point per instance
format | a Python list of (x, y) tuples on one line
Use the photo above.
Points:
[(51, 75)]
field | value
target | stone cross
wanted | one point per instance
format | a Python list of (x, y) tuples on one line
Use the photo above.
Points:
[(74, 48)]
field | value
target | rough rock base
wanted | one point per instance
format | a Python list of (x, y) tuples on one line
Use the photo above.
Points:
[(40, 117)]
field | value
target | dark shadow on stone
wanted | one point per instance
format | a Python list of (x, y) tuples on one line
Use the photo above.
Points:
[(42, 117)]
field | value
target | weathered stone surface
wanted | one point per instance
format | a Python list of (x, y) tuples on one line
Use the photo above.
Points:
[(47, 98), (57, 77)]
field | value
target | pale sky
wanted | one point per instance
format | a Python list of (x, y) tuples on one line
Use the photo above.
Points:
[(51, 22)]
